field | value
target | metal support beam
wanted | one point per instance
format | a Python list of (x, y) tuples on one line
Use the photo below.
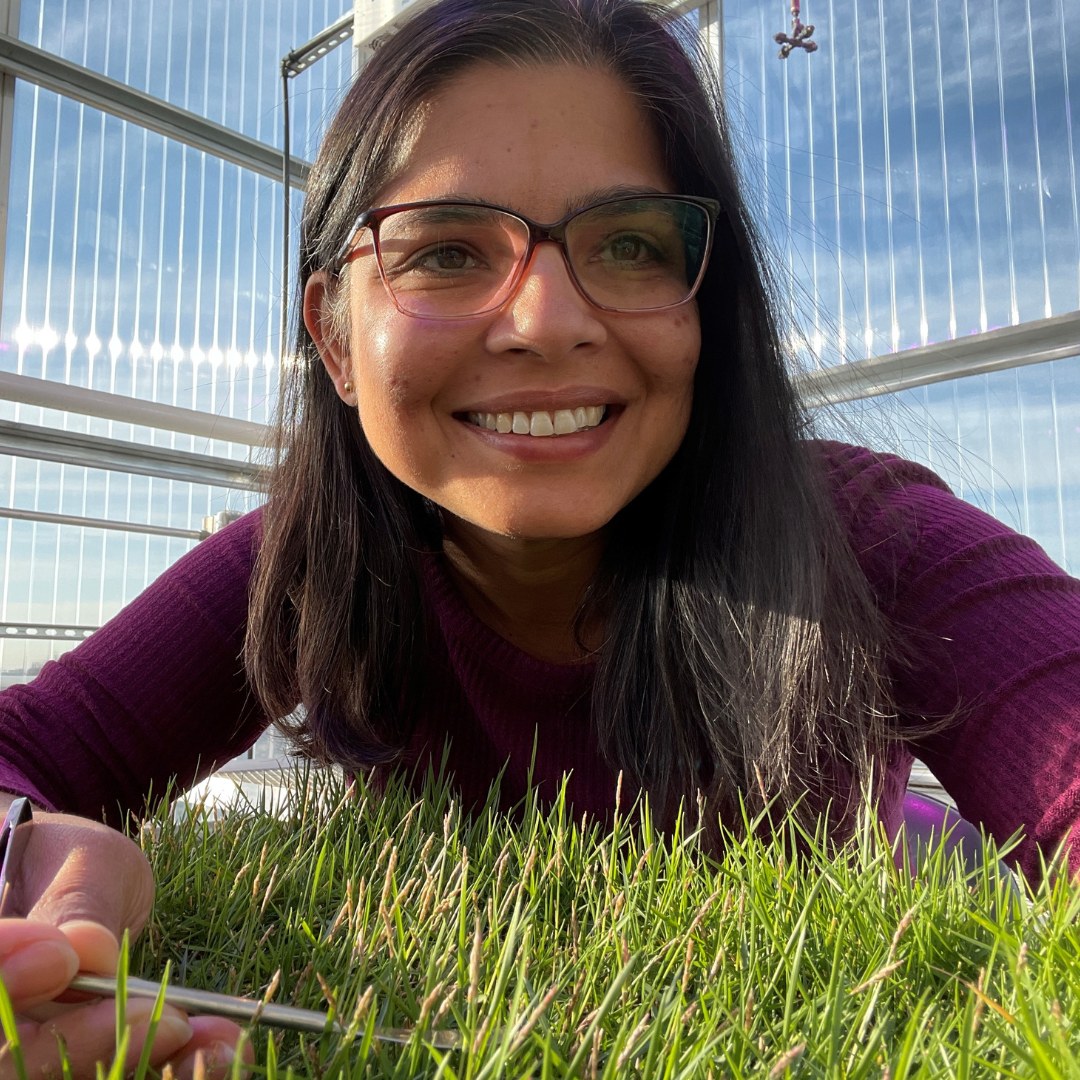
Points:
[(9, 24), (44, 631), (73, 81), (301, 58), (50, 394), (45, 518), (95, 452), (1033, 342)]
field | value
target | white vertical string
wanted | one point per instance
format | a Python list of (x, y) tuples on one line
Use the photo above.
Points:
[(1048, 309), (841, 292), (999, 59), (1021, 443), (56, 109), (129, 481), (920, 266), (974, 173), (98, 340), (766, 177), (35, 468), (66, 332), (187, 159), (160, 356), (1070, 150), (69, 485), (35, 95), (991, 463), (244, 261), (199, 347), (219, 170), (238, 368), (43, 554), (894, 327), (789, 211), (108, 540), (868, 326), (946, 190), (1059, 464), (267, 129), (810, 204)]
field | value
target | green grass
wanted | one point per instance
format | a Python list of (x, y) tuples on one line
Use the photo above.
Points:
[(554, 948)]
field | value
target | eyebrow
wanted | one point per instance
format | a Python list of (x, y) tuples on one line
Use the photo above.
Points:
[(450, 212), (577, 202)]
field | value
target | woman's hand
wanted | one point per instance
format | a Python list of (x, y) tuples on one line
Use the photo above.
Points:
[(80, 885)]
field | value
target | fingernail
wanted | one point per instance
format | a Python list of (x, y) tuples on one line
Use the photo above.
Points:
[(173, 1029), (96, 944), (219, 1054), (171, 1033), (42, 967), (209, 1059)]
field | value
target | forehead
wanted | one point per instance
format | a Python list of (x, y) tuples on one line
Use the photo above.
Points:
[(536, 138)]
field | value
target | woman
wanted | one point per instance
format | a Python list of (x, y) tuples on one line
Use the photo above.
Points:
[(545, 496)]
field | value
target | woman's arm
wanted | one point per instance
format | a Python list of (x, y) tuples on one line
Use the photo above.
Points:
[(158, 692), (993, 625)]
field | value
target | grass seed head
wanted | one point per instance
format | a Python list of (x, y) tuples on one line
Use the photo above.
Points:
[(786, 1060)]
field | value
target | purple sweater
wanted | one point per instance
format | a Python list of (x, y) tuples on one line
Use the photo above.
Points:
[(160, 692)]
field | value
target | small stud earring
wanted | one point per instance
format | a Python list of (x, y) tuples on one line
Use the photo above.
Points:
[(347, 387)]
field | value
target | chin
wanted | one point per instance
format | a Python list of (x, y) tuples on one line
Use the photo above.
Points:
[(548, 527)]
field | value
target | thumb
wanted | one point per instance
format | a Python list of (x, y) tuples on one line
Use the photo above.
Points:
[(95, 945), (91, 883)]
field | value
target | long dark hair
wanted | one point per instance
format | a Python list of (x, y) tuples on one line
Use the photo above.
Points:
[(743, 653)]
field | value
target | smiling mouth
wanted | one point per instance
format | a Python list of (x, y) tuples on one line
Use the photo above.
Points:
[(540, 423)]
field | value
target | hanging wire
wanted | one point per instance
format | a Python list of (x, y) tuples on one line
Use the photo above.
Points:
[(286, 186), (800, 35)]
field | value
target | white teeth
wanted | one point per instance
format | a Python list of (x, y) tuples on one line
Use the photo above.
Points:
[(565, 423), (541, 423)]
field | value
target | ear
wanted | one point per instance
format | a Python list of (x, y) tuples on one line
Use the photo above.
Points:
[(333, 350)]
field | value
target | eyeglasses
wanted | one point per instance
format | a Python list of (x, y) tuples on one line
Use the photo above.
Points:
[(454, 260)]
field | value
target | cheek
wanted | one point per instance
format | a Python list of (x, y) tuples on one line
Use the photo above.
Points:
[(677, 349), (398, 370)]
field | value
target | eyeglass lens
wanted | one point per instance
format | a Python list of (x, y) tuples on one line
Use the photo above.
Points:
[(631, 255)]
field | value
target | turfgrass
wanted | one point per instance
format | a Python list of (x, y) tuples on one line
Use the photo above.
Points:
[(552, 948)]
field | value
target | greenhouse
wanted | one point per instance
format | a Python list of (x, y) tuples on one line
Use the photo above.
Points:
[(173, 244)]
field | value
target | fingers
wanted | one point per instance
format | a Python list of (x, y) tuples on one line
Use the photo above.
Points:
[(75, 871), (87, 882), (212, 1049), (199, 1046), (88, 1036), (36, 962)]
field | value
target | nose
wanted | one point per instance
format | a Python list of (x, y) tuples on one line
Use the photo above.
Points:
[(546, 314)]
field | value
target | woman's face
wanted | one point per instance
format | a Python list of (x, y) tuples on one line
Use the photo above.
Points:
[(541, 140)]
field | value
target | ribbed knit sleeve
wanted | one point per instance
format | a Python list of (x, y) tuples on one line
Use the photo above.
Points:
[(992, 627), (157, 693)]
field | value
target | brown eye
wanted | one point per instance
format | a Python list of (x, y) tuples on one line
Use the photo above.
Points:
[(627, 249), (448, 258)]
